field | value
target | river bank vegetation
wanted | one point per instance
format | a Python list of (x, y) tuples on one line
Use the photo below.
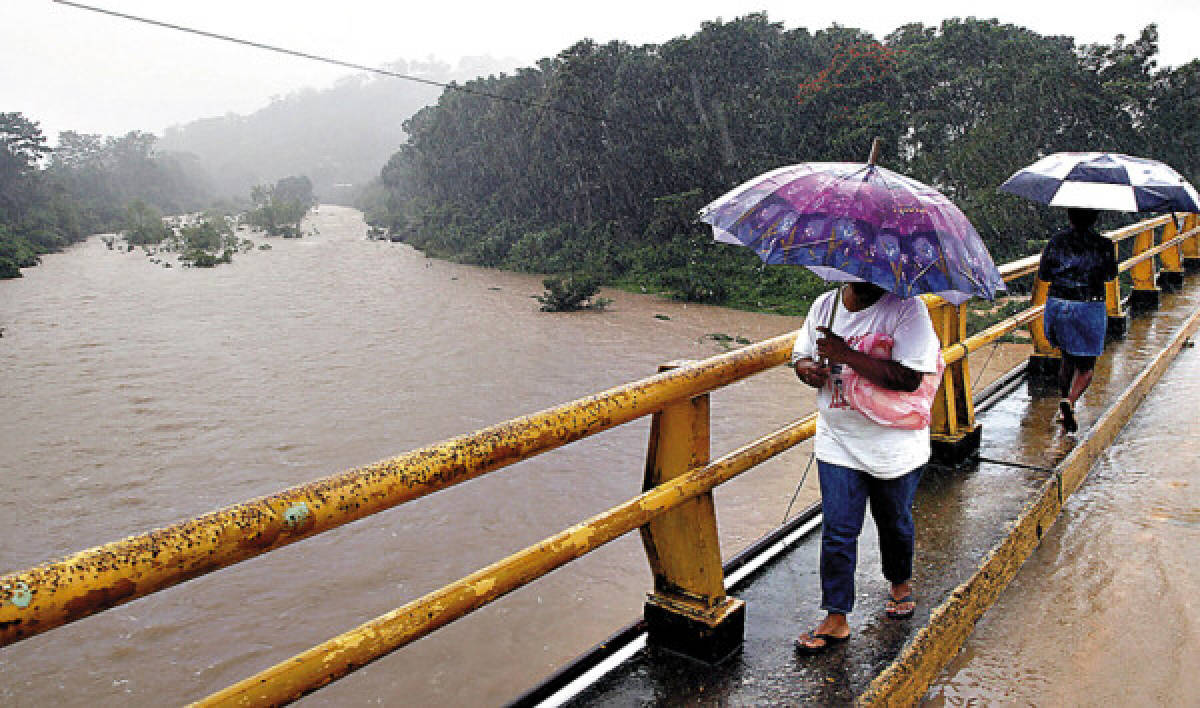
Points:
[(51, 198), (571, 293), (278, 209), (601, 157), (211, 238)]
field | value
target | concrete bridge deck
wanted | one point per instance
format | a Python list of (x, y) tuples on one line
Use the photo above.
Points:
[(961, 514)]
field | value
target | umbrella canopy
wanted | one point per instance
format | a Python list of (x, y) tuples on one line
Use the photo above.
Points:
[(849, 221), (1103, 180)]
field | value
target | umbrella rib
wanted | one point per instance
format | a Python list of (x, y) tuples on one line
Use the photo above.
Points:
[(806, 244), (969, 276), (750, 209), (912, 281)]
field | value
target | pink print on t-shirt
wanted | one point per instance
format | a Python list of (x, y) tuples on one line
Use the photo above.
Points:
[(893, 409)]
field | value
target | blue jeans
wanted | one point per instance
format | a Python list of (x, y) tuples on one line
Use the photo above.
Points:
[(844, 496)]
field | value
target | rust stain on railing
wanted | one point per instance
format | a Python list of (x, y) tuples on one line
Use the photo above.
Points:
[(99, 578)]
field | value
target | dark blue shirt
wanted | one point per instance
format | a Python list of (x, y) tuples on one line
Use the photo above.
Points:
[(1077, 265)]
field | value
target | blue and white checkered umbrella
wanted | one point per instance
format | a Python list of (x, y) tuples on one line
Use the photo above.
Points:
[(1103, 180)]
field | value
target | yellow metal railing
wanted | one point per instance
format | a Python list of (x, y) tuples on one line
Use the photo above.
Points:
[(53, 594), (675, 513)]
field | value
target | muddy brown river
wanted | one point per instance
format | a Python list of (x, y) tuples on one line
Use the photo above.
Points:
[(134, 396)]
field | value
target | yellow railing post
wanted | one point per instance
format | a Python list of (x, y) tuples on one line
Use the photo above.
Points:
[(688, 612), (1191, 245), (1145, 293), (1118, 320), (1046, 358), (1170, 279), (953, 430)]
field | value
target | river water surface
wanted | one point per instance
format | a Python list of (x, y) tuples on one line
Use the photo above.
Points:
[(134, 396)]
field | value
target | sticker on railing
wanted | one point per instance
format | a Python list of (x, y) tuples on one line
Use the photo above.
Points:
[(296, 515), (21, 594)]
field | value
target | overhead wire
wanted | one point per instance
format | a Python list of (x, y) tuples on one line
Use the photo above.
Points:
[(327, 60), (383, 72)]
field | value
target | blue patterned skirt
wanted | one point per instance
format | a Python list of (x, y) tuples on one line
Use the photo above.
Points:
[(1076, 327)]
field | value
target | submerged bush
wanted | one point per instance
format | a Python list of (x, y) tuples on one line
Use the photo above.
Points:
[(203, 259), (570, 294)]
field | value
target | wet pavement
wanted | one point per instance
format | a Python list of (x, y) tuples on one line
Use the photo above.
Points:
[(961, 513), (1113, 583)]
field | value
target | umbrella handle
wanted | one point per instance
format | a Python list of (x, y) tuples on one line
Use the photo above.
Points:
[(837, 297), (874, 152)]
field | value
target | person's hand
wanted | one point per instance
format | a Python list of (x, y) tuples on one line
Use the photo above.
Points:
[(812, 373), (831, 347)]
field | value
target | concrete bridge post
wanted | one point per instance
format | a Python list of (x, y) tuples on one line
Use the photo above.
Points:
[(688, 612)]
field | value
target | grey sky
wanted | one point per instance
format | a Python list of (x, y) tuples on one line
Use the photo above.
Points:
[(71, 69)]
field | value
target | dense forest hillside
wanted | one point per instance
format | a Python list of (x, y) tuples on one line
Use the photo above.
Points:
[(339, 137), (595, 161), (50, 198)]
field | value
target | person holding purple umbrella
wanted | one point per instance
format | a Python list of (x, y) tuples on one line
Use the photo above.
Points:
[(1077, 263), (877, 360), (864, 456)]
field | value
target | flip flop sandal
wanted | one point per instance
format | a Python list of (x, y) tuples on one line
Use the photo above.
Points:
[(892, 603), (829, 639), (1067, 411)]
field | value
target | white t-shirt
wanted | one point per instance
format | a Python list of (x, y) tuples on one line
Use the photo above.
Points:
[(845, 436)]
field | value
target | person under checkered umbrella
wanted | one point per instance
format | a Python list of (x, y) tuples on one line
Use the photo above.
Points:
[(1079, 261)]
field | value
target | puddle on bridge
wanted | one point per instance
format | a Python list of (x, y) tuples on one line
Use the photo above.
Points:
[(1105, 610)]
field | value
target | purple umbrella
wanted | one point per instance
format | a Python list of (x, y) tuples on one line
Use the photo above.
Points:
[(849, 221)]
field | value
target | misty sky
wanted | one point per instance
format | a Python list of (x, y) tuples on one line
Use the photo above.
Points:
[(71, 69)]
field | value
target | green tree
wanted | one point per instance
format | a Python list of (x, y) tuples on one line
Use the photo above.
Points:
[(598, 163), (22, 146), (207, 243), (144, 224), (279, 209), (571, 294), (52, 198)]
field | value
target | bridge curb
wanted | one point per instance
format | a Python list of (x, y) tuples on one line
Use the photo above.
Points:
[(905, 680)]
